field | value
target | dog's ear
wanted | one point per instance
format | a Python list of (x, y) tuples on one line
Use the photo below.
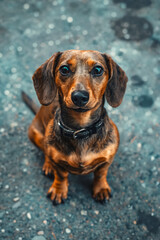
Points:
[(43, 80), (117, 82)]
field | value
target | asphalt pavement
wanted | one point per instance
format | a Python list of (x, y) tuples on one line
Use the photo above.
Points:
[(30, 32)]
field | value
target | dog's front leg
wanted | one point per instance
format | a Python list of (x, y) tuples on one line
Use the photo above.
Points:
[(101, 188), (48, 169), (59, 189)]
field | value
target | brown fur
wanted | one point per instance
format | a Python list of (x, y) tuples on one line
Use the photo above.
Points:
[(63, 154)]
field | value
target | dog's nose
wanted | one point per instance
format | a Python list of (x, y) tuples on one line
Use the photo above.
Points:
[(80, 98)]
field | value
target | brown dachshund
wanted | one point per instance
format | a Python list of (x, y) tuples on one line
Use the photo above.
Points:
[(72, 127)]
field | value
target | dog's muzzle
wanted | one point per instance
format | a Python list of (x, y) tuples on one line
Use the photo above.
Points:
[(80, 98)]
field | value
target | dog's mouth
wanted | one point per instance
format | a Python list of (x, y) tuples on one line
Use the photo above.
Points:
[(80, 109)]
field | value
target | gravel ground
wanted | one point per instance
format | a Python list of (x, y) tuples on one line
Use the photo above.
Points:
[(129, 31)]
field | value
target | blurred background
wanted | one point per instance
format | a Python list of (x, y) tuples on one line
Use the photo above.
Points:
[(30, 32)]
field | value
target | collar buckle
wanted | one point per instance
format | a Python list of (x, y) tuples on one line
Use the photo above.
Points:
[(83, 133), (75, 134)]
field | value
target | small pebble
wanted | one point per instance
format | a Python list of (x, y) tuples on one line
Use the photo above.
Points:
[(6, 92), (72, 203), (126, 118), (96, 212), (51, 26), (14, 110), (114, 14), (13, 70), (139, 146), (14, 124), (1, 214), (127, 36), (154, 168), (83, 212), (85, 32), (55, 3), (19, 49), (26, 6), (38, 238), (7, 186), (40, 233), (125, 31), (106, 2), (143, 185), (25, 161), (34, 226), (28, 215), (150, 130), (69, 19), (68, 230), (126, 24), (2, 130), (50, 43), (16, 205), (45, 222), (3, 230), (16, 199), (148, 114)]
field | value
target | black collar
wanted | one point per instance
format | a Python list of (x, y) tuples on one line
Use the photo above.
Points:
[(82, 133)]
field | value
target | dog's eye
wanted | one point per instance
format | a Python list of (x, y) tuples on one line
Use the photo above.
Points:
[(64, 70), (97, 71)]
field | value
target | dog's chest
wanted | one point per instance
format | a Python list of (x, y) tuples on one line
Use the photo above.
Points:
[(81, 162), (85, 156)]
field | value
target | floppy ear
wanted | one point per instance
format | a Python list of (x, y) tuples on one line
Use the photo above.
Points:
[(117, 82), (43, 80)]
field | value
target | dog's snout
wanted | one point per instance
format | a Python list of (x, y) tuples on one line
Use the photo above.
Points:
[(80, 98)]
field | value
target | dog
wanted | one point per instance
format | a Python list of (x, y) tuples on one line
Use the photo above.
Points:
[(72, 127)]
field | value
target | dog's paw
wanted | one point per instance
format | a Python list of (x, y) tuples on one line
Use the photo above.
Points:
[(102, 192), (58, 195), (102, 195), (47, 169)]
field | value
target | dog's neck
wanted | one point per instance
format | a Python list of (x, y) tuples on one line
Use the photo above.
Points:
[(77, 120)]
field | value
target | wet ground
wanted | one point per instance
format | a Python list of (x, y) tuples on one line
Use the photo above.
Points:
[(30, 32)]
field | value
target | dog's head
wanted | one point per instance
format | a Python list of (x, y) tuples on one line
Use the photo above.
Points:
[(81, 79)]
